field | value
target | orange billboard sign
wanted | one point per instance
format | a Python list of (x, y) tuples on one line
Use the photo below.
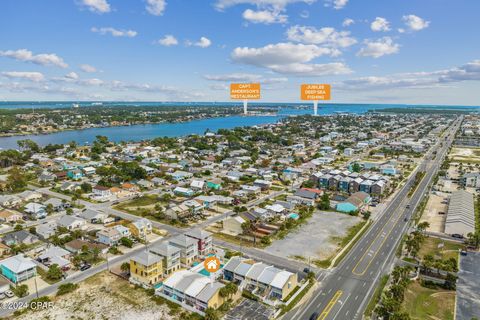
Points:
[(245, 91), (315, 92)]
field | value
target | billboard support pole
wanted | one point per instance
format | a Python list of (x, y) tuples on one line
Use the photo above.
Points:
[(245, 105), (315, 107)]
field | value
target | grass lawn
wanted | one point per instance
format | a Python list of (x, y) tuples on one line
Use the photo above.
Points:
[(146, 200), (449, 249), (424, 304)]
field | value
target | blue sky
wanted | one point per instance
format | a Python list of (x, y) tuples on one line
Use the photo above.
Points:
[(371, 51)]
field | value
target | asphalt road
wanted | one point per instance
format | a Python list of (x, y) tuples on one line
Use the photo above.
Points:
[(344, 292)]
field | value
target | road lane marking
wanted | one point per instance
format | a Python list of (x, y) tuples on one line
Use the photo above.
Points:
[(330, 305), (381, 244)]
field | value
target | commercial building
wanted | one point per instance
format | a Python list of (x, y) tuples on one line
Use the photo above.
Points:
[(461, 215)]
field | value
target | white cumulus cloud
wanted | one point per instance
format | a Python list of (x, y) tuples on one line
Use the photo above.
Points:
[(72, 75), (264, 16), (277, 4), (204, 42), (88, 68), (326, 36), (168, 41), (348, 22), (415, 23), (98, 6), (32, 76), (156, 7), (290, 58), (378, 48), (380, 24), (336, 4), (44, 59), (115, 32)]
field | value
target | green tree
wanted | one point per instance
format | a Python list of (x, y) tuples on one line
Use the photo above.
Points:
[(125, 267), (211, 314), (54, 272), (126, 242)]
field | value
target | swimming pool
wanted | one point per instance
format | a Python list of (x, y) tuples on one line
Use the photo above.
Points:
[(293, 216), (206, 273)]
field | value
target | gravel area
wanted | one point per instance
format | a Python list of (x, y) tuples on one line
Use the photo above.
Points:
[(316, 239)]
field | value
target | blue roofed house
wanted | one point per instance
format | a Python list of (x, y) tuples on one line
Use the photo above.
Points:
[(18, 268), (323, 180), (354, 203), (75, 174)]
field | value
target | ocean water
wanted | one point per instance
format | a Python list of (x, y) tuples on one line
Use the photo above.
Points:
[(150, 131)]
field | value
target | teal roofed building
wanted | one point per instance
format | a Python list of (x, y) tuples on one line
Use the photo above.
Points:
[(18, 268), (213, 185)]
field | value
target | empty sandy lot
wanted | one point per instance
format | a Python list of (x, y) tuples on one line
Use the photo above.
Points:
[(103, 296), (317, 239), (431, 213)]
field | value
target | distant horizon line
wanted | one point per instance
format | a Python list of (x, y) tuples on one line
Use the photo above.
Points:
[(231, 102)]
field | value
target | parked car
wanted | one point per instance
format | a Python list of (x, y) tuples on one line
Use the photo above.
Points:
[(85, 267), (306, 270), (458, 236)]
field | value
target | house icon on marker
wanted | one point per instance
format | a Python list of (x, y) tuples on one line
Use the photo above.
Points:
[(211, 264)]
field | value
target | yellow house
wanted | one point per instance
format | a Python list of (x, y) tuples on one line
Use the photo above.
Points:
[(146, 269)]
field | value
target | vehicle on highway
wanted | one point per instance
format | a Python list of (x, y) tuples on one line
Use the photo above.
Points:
[(408, 206), (405, 219), (314, 316), (306, 270)]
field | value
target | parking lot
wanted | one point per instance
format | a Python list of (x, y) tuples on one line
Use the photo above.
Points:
[(468, 287), (317, 239), (248, 310), (435, 212)]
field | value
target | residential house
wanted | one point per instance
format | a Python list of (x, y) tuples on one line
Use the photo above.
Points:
[(192, 290), (204, 240), (19, 237), (188, 248), (197, 185), (141, 228), (75, 174), (354, 203), (184, 192), (71, 222), (46, 230), (93, 216), (77, 245), (101, 191), (263, 184), (9, 216), (57, 204), (258, 277), (111, 236), (18, 268), (55, 255), (146, 269), (170, 257), (36, 210)]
